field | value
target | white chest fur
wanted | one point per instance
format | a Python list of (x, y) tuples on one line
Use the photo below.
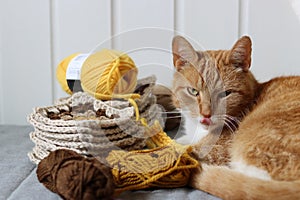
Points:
[(193, 129), (249, 170)]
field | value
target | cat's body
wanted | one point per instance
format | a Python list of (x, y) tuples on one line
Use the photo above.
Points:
[(264, 151)]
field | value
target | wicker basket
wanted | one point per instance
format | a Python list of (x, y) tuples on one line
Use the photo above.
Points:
[(93, 127)]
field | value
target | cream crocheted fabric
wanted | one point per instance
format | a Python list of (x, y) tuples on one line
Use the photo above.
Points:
[(93, 127)]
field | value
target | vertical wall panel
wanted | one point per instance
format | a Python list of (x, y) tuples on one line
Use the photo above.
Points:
[(243, 17), (179, 10), (144, 29), (212, 24), (275, 30), (26, 72), (1, 67), (78, 26)]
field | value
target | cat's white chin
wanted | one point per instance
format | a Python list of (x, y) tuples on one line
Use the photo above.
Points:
[(194, 131)]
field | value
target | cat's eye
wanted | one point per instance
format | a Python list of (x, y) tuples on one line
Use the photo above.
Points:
[(224, 94), (192, 91)]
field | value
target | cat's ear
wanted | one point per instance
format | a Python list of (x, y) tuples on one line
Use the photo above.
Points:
[(183, 52), (241, 53)]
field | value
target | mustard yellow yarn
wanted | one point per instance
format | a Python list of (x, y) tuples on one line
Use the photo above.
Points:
[(61, 72), (109, 74), (105, 74), (168, 165)]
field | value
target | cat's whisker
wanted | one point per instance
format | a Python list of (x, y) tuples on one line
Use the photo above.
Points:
[(232, 126), (235, 119), (229, 121), (168, 112), (218, 117), (171, 112), (173, 117), (232, 121), (229, 127)]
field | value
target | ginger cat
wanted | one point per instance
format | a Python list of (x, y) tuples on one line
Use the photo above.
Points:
[(262, 150)]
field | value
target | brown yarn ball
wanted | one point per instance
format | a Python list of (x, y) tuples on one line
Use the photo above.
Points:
[(73, 176), (49, 165)]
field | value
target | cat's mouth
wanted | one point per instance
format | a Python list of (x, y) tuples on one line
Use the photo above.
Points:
[(206, 122)]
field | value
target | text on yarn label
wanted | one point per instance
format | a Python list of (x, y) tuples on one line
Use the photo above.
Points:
[(74, 67)]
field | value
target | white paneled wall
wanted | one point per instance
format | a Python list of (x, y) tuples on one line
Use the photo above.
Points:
[(1, 73), (144, 29), (26, 78), (77, 27), (212, 24), (36, 35), (275, 31)]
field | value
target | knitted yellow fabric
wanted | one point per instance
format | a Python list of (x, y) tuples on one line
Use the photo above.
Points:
[(158, 138), (61, 71), (167, 166)]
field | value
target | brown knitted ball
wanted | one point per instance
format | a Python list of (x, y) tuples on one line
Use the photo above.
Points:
[(73, 176)]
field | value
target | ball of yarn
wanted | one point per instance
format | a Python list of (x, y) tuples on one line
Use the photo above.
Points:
[(73, 176), (61, 72), (108, 73), (105, 74)]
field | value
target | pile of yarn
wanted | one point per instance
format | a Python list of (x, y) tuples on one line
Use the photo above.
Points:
[(107, 75), (166, 165)]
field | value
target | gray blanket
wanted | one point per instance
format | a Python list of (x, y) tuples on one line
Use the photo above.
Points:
[(19, 181)]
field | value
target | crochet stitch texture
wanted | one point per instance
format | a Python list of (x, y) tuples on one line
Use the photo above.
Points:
[(93, 127)]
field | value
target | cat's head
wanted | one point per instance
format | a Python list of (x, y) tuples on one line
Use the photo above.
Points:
[(213, 86)]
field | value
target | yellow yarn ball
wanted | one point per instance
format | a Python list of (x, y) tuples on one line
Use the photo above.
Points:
[(61, 71), (105, 74), (109, 73)]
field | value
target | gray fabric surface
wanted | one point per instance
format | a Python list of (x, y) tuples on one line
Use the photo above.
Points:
[(32, 189), (168, 194), (18, 175), (15, 165)]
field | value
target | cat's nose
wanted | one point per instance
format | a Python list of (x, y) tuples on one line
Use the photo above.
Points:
[(208, 115)]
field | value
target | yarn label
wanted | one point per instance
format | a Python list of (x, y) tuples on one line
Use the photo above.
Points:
[(74, 67)]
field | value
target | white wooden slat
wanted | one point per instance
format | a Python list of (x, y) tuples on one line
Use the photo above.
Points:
[(1, 67), (144, 29), (275, 29), (243, 17), (26, 78), (179, 6), (78, 26), (211, 24)]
